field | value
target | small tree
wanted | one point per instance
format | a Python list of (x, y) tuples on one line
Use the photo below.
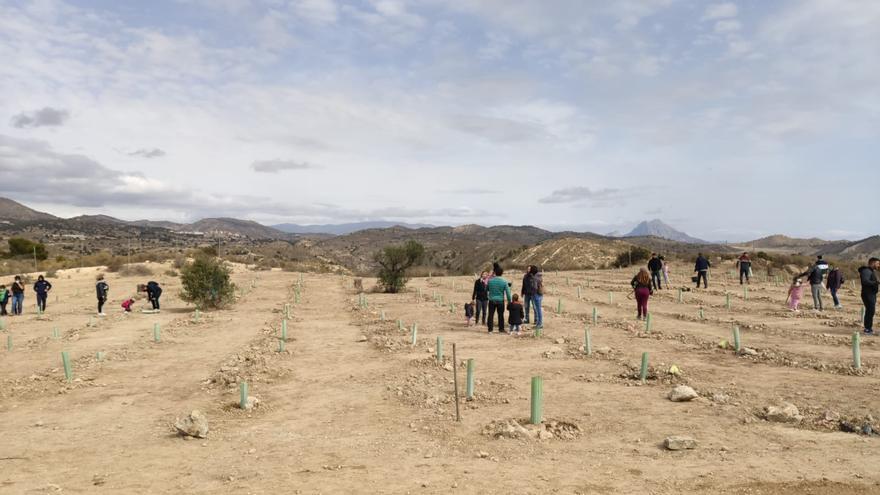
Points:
[(206, 283), (395, 260), (19, 246)]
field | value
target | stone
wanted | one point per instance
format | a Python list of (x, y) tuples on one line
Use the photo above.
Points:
[(674, 370), (677, 442), (748, 351), (195, 424), (783, 413), (603, 350), (483, 454), (251, 403), (560, 341), (832, 416), (362, 338), (682, 393)]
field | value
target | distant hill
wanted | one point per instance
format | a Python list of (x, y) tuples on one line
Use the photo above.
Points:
[(656, 228), (858, 250), (344, 228), (235, 227), (105, 219), (569, 253), (16, 212), (784, 242)]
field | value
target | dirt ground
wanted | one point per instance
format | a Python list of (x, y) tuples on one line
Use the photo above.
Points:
[(350, 406)]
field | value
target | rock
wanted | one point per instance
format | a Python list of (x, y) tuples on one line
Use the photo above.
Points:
[(251, 403), (603, 350), (674, 370), (784, 413), (560, 341), (867, 429), (362, 338), (447, 366), (682, 393), (194, 425), (832, 416), (748, 351), (483, 454), (677, 442)]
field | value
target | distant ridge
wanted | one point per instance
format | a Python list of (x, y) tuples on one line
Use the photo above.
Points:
[(656, 228), (344, 228), (14, 211)]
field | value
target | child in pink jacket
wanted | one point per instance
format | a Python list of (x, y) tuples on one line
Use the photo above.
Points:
[(794, 294)]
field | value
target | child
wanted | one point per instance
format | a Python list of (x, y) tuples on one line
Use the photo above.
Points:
[(126, 305), (469, 313), (794, 294), (101, 290), (515, 309), (4, 300)]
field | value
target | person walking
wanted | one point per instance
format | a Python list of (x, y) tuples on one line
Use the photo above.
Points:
[(42, 288), (480, 297), (655, 264), (101, 289), (527, 293), (499, 290), (870, 284), (153, 293), (642, 289), (833, 283), (538, 295), (744, 263), (17, 296), (795, 291), (701, 267), (815, 275)]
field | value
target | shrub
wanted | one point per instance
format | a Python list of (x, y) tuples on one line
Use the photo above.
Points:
[(206, 283), (634, 256), (395, 260), (114, 264), (135, 270), (171, 273), (19, 246), (53, 273)]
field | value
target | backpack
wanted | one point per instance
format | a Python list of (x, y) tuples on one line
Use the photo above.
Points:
[(539, 289)]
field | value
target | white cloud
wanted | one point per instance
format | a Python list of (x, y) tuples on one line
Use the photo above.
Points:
[(727, 26), (720, 11)]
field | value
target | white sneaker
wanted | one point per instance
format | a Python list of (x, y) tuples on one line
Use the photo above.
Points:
[(101, 314)]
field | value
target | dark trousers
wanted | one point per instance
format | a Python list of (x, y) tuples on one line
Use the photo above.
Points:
[(870, 302), (642, 295), (655, 280), (3, 308), (481, 310), (834, 297), (41, 300), (743, 272), (101, 305), (155, 302), (496, 306), (702, 275)]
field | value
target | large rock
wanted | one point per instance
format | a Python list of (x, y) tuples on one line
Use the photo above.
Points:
[(784, 413), (677, 442), (194, 425), (682, 393)]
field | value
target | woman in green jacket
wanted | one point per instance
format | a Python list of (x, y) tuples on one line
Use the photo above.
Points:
[(499, 290)]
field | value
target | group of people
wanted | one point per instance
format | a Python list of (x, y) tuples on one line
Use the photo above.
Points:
[(818, 273), (491, 292), (15, 293), (16, 290)]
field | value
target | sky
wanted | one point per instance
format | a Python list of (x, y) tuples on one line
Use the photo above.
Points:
[(728, 120)]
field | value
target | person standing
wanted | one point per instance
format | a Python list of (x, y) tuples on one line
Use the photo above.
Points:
[(744, 263), (665, 271), (538, 295), (701, 267), (4, 300), (480, 297), (655, 264), (833, 283), (870, 284), (102, 289), (515, 315), (641, 285), (17, 296), (815, 276), (42, 288), (499, 290), (153, 293), (527, 293)]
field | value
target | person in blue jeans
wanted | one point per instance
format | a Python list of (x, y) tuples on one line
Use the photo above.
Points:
[(17, 296), (537, 295), (528, 290), (499, 290), (41, 289)]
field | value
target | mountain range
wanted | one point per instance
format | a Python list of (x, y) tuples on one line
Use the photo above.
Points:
[(344, 228), (656, 228)]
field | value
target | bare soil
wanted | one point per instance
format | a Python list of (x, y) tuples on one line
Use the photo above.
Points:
[(350, 406)]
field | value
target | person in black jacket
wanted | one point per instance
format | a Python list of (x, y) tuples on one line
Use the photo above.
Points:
[(816, 275), (17, 295), (42, 288), (833, 282), (655, 265), (870, 284), (701, 267), (480, 297), (528, 292), (515, 318), (101, 290), (153, 293)]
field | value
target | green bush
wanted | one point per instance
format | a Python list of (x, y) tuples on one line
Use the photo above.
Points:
[(206, 283), (19, 246), (395, 260), (634, 256)]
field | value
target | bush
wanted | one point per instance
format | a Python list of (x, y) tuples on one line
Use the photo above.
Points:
[(135, 270), (395, 260), (19, 246), (634, 256), (171, 273), (206, 283), (114, 264)]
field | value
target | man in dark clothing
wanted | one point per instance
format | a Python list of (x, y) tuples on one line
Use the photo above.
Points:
[(815, 275), (655, 266), (833, 282), (153, 293), (868, 277), (701, 267), (528, 292), (42, 288), (480, 297), (101, 290), (745, 268)]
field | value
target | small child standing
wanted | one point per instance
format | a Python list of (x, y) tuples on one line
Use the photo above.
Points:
[(515, 308), (469, 313), (794, 294)]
